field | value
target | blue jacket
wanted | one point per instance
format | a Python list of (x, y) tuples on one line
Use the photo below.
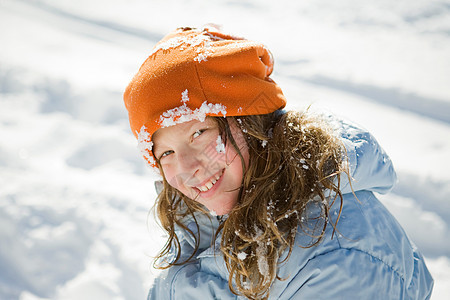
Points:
[(370, 257)]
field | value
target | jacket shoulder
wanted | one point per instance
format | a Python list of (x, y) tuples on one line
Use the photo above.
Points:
[(368, 253), (369, 165)]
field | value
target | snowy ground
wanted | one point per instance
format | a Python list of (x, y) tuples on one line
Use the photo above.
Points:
[(74, 193)]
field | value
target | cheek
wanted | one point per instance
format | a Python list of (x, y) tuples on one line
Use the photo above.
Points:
[(170, 175), (232, 154), (235, 163), (177, 180)]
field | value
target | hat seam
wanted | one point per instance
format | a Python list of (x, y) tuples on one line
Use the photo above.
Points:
[(200, 82)]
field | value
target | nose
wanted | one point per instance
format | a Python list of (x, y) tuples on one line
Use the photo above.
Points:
[(189, 164)]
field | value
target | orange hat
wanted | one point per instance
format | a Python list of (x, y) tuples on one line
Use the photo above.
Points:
[(194, 73)]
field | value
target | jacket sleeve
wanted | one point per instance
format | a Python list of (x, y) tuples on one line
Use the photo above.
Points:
[(369, 166), (345, 274)]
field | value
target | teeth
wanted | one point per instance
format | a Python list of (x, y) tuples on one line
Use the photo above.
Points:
[(209, 184)]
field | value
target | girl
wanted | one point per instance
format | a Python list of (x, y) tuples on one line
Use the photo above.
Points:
[(258, 202)]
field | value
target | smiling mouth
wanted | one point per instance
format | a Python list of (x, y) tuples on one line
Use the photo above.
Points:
[(210, 183)]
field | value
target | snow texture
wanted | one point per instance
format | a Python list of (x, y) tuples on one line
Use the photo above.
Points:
[(263, 265), (75, 193), (185, 96), (242, 255), (201, 42), (145, 145), (220, 146), (183, 113)]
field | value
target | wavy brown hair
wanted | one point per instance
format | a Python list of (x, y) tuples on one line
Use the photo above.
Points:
[(295, 164)]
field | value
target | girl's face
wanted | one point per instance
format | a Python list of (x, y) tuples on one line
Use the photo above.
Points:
[(195, 161)]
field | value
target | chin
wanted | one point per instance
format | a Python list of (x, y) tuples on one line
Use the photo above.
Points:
[(220, 210)]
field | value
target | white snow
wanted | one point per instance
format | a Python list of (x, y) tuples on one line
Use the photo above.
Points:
[(242, 255), (261, 255), (185, 96), (201, 42), (220, 146), (263, 265), (145, 146), (183, 113), (75, 193)]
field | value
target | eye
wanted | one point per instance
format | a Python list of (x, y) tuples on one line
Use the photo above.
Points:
[(166, 153), (198, 133)]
